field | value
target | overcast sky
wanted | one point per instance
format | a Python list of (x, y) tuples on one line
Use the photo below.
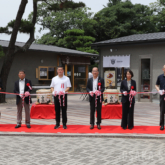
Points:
[(8, 12)]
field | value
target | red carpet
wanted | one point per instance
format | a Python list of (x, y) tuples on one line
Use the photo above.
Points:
[(81, 129)]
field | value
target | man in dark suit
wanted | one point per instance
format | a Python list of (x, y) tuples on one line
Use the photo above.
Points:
[(23, 87), (160, 87), (95, 85)]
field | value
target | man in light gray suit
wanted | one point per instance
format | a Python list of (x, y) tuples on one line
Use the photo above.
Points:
[(23, 87)]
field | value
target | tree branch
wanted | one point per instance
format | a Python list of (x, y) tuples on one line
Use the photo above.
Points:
[(31, 38)]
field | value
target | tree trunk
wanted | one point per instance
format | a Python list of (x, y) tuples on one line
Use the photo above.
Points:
[(9, 56)]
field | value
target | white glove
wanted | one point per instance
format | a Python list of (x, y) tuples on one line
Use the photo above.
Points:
[(27, 94), (61, 93), (125, 93), (133, 93), (54, 93), (21, 95), (91, 93), (97, 93), (161, 92)]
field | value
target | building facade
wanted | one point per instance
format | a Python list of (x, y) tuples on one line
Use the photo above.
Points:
[(145, 54), (40, 64)]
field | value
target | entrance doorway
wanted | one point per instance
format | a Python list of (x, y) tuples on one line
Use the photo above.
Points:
[(145, 78)]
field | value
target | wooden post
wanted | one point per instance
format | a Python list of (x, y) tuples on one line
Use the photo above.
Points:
[(58, 60), (72, 78), (86, 74), (66, 69), (122, 73)]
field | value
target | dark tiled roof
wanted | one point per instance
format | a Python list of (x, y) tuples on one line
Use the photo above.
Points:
[(150, 37), (49, 48)]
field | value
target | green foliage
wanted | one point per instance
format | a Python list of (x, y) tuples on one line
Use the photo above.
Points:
[(159, 15), (124, 19), (76, 32), (75, 39), (113, 2), (88, 50), (65, 5), (4, 30), (119, 18), (162, 2), (25, 27), (60, 21), (57, 5)]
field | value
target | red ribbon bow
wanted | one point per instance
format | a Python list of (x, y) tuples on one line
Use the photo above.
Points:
[(99, 84), (28, 84), (61, 93), (131, 96)]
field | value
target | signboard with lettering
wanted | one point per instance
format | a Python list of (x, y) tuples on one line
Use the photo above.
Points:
[(116, 61)]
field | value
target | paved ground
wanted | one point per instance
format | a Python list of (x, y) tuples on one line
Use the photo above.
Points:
[(78, 113), (25, 150), (50, 149)]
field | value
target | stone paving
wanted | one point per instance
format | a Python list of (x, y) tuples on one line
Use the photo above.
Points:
[(54, 149), (78, 113), (27, 150)]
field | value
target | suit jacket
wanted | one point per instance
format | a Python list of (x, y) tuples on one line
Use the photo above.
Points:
[(1, 83), (16, 90), (124, 87), (90, 86)]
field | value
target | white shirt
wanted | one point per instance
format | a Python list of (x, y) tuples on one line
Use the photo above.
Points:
[(95, 83), (21, 86), (60, 84)]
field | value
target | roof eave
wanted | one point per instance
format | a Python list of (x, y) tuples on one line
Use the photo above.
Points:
[(63, 53), (129, 42)]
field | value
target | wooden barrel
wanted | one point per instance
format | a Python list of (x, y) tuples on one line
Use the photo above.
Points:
[(45, 96)]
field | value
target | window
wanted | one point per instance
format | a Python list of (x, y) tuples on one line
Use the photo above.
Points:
[(45, 72)]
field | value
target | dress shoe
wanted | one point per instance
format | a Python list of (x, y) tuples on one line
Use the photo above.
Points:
[(64, 126), (28, 126), (57, 126), (162, 128), (92, 126), (130, 128), (98, 126), (17, 126), (124, 127)]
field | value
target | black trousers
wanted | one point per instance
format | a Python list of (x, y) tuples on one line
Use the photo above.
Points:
[(93, 108), (127, 115), (57, 109), (162, 110)]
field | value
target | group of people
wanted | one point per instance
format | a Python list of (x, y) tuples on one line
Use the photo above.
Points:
[(60, 85)]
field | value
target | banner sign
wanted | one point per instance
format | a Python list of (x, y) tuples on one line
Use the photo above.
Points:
[(116, 61)]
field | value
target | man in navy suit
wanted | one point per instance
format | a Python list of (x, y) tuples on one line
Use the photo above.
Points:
[(22, 87), (95, 85), (160, 86)]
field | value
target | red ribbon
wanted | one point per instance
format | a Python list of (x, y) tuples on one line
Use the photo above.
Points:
[(23, 101), (28, 84), (130, 98), (97, 93), (61, 93)]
